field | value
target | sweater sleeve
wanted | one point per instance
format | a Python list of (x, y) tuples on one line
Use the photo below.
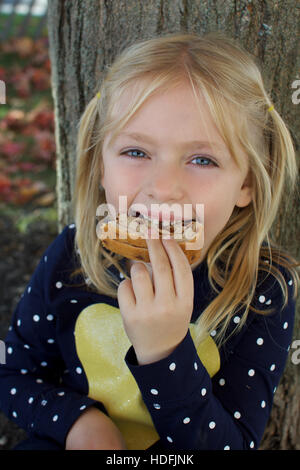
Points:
[(230, 411), (31, 393)]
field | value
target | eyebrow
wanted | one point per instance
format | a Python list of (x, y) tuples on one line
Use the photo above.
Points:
[(148, 139)]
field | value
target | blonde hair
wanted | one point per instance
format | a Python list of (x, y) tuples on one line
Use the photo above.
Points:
[(232, 85)]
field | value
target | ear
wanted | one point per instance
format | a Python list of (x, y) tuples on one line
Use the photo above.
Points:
[(245, 195)]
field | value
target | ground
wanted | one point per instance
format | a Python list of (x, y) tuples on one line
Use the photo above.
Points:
[(19, 256)]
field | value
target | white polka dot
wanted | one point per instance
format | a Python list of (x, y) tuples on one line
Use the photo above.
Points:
[(268, 302), (74, 301), (251, 372), (156, 406), (259, 341), (261, 299), (154, 391), (121, 276), (50, 341), (285, 325), (227, 448), (26, 346), (203, 392), (58, 285), (72, 226), (13, 391), (9, 350), (275, 388), (29, 290), (55, 418), (30, 400), (45, 259), (213, 333), (237, 415), (23, 371), (44, 364), (78, 370), (172, 366), (222, 382), (251, 444), (60, 394), (186, 420), (50, 317), (169, 439), (19, 322), (272, 367), (195, 366), (36, 318), (83, 407), (290, 283), (44, 402), (212, 425), (263, 404), (39, 381), (15, 414), (236, 320)]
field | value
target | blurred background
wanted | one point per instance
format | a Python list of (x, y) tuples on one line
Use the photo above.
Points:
[(28, 212)]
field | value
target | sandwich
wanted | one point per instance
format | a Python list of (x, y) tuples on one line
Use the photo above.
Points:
[(127, 235)]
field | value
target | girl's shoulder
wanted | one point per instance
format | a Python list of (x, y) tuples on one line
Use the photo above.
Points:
[(277, 284), (57, 261), (64, 239)]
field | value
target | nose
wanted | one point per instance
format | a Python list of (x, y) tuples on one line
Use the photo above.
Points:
[(165, 184)]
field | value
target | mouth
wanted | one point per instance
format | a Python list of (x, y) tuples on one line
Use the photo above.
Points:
[(161, 217), (163, 222)]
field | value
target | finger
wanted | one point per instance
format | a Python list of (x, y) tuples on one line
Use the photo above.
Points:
[(141, 283), (161, 268), (126, 297), (182, 272)]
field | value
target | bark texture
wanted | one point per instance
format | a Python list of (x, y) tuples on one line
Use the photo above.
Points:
[(86, 36)]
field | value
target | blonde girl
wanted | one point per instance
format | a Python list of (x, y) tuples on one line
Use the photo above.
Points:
[(129, 355)]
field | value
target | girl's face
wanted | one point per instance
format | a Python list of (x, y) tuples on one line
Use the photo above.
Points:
[(169, 161)]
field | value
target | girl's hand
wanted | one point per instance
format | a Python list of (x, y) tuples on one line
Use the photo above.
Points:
[(94, 430), (156, 316)]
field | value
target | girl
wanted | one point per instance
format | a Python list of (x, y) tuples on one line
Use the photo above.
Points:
[(107, 353)]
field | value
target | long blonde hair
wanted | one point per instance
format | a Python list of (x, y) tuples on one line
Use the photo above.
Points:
[(232, 85)]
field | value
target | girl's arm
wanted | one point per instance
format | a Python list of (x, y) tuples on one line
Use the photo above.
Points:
[(32, 393), (192, 411)]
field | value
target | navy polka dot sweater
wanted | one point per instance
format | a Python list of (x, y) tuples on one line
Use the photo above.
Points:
[(44, 387)]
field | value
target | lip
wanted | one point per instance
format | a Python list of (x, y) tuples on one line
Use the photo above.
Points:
[(162, 216)]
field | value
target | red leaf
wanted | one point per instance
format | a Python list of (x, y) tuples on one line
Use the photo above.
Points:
[(12, 149)]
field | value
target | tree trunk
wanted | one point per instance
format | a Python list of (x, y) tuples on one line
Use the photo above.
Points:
[(86, 36)]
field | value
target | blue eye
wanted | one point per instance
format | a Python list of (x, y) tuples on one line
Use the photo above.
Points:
[(134, 153), (204, 161)]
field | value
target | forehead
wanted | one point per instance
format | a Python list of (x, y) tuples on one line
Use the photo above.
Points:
[(175, 113)]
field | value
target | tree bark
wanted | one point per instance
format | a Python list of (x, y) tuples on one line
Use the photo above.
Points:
[(85, 37)]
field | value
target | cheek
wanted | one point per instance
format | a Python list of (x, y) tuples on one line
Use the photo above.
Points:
[(218, 207), (119, 181)]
